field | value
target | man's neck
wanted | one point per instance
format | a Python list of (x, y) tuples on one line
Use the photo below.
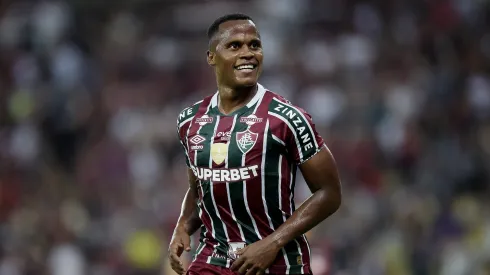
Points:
[(231, 99)]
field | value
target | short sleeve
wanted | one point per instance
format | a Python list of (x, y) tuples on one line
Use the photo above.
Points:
[(304, 141), (184, 121), (182, 136), (300, 136)]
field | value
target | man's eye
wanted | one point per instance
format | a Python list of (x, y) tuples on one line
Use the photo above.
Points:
[(255, 45), (234, 45)]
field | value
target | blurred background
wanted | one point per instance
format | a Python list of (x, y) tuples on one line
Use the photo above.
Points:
[(92, 174)]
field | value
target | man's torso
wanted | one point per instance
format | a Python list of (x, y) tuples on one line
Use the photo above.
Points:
[(246, 175)]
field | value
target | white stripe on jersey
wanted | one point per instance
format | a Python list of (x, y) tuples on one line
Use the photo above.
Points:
[(185, 121), (307, 245), (291, 187), (278, 140), (258, 96), (214, 100)]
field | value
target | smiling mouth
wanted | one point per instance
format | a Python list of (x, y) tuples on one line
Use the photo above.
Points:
[(246, 68)]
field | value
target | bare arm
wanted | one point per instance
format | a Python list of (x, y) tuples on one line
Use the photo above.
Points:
[(187, 225), (189, 218), (321, 175)]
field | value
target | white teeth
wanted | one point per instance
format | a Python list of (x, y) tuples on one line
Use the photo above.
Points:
[(244, 67)]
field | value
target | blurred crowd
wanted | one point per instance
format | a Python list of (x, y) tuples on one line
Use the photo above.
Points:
[(92, 175)]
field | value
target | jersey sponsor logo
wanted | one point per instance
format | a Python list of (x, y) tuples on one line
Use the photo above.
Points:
[(226, 175), (185, 113), (224, 136), (300, 127), (219, 151), (246, 140), (250, 120), (197, 139), (205, 119), (197, 147)]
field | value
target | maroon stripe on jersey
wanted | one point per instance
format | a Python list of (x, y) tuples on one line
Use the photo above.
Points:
[(219, 189), (205, 253), (183, 130), (279, 128)]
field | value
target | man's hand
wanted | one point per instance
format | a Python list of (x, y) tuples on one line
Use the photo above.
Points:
[(180, 241), (256, 258)]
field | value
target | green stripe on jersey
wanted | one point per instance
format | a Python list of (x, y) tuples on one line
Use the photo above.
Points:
[(218, 261), (272, 179)]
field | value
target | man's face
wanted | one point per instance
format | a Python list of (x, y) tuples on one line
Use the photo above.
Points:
[(238, 56)]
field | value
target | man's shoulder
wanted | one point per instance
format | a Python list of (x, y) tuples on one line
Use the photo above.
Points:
[(283, 108), (189, 112)]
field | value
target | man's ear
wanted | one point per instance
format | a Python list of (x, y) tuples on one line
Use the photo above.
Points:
[(211, 58)]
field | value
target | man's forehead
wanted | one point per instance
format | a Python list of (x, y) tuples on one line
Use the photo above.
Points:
[(235, 27)]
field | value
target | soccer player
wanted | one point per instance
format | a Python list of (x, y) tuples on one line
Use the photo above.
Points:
[(243, 145)]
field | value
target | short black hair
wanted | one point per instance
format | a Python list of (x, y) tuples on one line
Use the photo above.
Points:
[(213, 29)]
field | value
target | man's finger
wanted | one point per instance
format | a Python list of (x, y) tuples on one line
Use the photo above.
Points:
[(177, 249), (260, 272), (174, 247), (187, 244), (237, 264), (245, 266), (252, 271), (241, 250), (174, 259)]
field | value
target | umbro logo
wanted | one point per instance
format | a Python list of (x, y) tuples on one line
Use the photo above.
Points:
[(197, 139)]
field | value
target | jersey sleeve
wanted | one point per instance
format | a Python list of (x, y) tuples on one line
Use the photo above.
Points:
[(181, 133), (183, 123), (300, 136)]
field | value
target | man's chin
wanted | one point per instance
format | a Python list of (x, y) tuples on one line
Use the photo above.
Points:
[(244, 83)]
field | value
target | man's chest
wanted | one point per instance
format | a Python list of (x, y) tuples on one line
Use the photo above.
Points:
[(227, 141)]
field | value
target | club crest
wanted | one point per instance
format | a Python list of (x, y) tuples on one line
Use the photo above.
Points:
[(246, 140), (219, 151)]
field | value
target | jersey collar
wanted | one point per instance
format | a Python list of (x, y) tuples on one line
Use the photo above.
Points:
[(260, 93)]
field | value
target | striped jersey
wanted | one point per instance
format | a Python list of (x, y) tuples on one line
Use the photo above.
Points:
[(245, 163)]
